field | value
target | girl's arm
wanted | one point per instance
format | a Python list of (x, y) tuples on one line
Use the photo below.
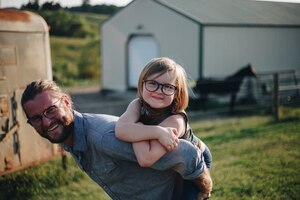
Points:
[(148, 140), (148, 152), (128, 129)]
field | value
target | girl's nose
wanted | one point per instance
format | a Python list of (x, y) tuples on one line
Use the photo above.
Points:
[(160, 89)]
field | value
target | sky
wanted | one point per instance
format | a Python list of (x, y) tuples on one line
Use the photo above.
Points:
[(63, 3), (291, 1), (71, 3)]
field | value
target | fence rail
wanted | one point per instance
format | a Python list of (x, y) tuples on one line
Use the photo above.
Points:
[(269, 91), (276, 93), (289, 87)]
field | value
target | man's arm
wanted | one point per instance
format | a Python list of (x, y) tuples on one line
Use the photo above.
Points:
[(185, 159)]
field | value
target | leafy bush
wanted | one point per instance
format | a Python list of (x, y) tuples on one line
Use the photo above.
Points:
[(90, 61), (64, 23), (100, 9), (75, 60), (65, 72)]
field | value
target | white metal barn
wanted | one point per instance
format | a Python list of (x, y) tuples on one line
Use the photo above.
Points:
[(210, 38)]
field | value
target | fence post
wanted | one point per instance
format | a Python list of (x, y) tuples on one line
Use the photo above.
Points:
[(64, 161), (276, 97)]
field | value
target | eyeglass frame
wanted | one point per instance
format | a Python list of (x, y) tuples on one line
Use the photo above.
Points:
[(43, 114), (161, 86)]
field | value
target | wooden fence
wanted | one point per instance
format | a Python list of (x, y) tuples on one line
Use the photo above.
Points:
[(268, 91)]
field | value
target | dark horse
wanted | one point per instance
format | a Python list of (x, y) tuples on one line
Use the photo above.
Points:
[(229, 85)]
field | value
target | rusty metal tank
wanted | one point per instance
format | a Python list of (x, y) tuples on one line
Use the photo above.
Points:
[(24, 56)]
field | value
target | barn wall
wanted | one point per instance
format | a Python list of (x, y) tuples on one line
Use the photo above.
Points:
[(177, 37), (226, 49), (113, 46)]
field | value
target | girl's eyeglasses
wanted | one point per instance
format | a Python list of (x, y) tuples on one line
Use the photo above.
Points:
[(152, 86)]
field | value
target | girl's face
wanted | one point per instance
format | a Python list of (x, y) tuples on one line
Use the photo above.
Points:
[(158, 99)]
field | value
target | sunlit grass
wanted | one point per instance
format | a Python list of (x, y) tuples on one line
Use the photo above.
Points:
[(253, 158)]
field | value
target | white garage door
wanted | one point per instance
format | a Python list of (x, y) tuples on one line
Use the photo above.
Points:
[(141, 49)]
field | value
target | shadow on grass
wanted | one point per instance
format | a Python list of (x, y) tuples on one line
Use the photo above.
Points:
[(234, 135)]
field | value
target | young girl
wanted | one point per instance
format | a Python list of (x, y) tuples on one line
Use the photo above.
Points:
[(156, 119)]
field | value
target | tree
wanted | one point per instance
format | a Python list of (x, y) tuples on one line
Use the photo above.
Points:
[(85, 2), (51, 6), (64, 23), (37, 2), (34, 5)]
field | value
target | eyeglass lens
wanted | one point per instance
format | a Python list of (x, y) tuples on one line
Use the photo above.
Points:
[(152, 86), (49, 113)]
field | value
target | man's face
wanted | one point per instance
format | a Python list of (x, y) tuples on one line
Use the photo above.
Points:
[(51, 117)]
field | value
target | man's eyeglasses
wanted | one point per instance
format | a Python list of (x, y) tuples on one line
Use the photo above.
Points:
[(49, 113), (153, 86)]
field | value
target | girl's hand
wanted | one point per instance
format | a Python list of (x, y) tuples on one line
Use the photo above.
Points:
[(169, 138)]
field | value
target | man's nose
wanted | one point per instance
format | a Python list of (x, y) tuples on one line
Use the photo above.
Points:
[(45, 121)]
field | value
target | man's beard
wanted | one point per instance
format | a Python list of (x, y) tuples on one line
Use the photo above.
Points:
[(68, 125)]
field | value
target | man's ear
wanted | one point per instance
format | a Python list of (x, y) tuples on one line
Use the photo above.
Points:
[(67, 101)]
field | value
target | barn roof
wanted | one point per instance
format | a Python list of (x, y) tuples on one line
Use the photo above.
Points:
[(237, 12)]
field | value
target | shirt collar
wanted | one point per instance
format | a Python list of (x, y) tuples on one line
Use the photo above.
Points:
[(79, 134)]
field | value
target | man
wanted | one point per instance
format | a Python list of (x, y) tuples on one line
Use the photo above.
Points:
[(108, 161)]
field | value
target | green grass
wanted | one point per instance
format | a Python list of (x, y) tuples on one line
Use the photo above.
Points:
[(66, 48), (75, 60), (253, 158), (50, 181), (95, 19)]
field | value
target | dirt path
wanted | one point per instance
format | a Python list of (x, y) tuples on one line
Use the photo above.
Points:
[(91, 100)]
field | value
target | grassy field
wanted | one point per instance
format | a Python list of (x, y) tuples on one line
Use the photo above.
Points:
[(95, 19), (254, 158), (76, 61)]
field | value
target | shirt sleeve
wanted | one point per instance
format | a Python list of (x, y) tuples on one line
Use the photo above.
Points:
[(185, 159), (116, 148)]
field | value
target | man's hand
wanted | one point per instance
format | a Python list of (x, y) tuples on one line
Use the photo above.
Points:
[(204, 184), (203, 196)]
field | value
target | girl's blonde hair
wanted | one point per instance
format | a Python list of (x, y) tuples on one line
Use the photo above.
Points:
[(160, 66)]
